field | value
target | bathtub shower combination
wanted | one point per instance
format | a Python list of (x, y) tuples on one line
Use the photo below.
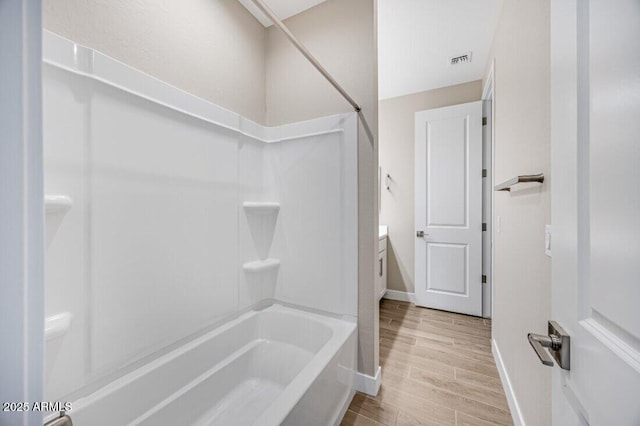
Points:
[(200, 268)]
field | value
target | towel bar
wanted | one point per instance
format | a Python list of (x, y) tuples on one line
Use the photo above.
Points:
[(506, 186)]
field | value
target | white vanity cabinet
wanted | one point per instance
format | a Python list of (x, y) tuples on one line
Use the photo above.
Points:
[(381, 276)]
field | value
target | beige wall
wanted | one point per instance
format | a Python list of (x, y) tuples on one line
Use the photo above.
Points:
[(521, 284), (214, 49), (397, 143), (342, 35)]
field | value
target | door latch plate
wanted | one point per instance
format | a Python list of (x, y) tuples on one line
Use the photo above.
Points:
[(562, 354)]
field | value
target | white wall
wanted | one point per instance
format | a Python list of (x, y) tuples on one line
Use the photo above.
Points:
[(214, 49), (397, 146), (315, 181), (522, 145), (138, 260), (342, 35)]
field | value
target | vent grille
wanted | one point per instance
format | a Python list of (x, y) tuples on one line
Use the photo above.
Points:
[(460, 59)]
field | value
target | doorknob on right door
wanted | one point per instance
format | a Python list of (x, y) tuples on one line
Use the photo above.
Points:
[(557, 342)]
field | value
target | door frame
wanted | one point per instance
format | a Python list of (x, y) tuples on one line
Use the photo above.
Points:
[(21, 209), (488, 94)]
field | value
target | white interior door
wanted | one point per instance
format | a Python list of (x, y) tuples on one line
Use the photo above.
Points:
[(448, 198), (595, 88)]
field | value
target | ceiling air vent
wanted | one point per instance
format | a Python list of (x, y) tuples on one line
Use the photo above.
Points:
[(460, 59)]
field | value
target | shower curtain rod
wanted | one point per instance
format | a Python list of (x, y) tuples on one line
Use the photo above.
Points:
[(278, 23)]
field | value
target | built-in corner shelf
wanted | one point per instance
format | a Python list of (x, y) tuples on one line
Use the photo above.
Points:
[(57, 325), (261, 207), (261, 265), (506, 186), (57, 203)]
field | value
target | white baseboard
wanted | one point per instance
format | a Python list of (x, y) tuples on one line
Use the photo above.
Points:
[(367, 384), (402, 296), (514, 407)]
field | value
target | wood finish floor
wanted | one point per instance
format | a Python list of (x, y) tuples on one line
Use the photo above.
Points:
[(437, 369)]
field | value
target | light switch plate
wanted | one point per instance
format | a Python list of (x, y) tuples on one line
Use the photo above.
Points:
[(547, 240)]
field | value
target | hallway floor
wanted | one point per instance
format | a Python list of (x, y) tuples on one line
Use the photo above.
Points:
[(437, 369)]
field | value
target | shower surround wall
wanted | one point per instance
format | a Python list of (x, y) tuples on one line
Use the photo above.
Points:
[(168, 215), (217, 50)]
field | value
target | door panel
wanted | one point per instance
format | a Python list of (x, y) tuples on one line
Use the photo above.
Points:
[(447, 268), (447, 147), (614, 196), (595, 76), (449, 208)]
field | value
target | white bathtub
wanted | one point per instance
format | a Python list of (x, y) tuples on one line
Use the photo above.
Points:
[(275, 366)]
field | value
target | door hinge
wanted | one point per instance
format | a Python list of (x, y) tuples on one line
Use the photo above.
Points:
[(484, 173), (484, 226), (484, 121), (484, 279)]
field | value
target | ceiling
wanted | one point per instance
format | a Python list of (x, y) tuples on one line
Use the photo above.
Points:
[(282, 8), (416, 39)]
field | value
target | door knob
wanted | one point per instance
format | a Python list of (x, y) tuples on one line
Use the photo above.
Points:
[(557, 342), (421, 234)]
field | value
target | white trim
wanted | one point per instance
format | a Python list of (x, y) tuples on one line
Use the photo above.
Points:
[(402, 296), (624, 346), (514, 407), (75, 58), (22, 210), (488, 94), (487, 90), (367, 384)]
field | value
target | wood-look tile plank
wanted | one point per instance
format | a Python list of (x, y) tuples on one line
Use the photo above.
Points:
[(476, 347), (449, 400), (463, 419), (396, 367), (461, 351), (460, 328), (392, 335), (387, 303), (354, 419), (435, 328), (388, 355), (417, 406), (482, 366), (414, 331), (437, 369), (483, 395), (385, 319), (431, 327), (374, 409), (434, 313), (473, 322), (409, 418), (400, 316), (479, 380)]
